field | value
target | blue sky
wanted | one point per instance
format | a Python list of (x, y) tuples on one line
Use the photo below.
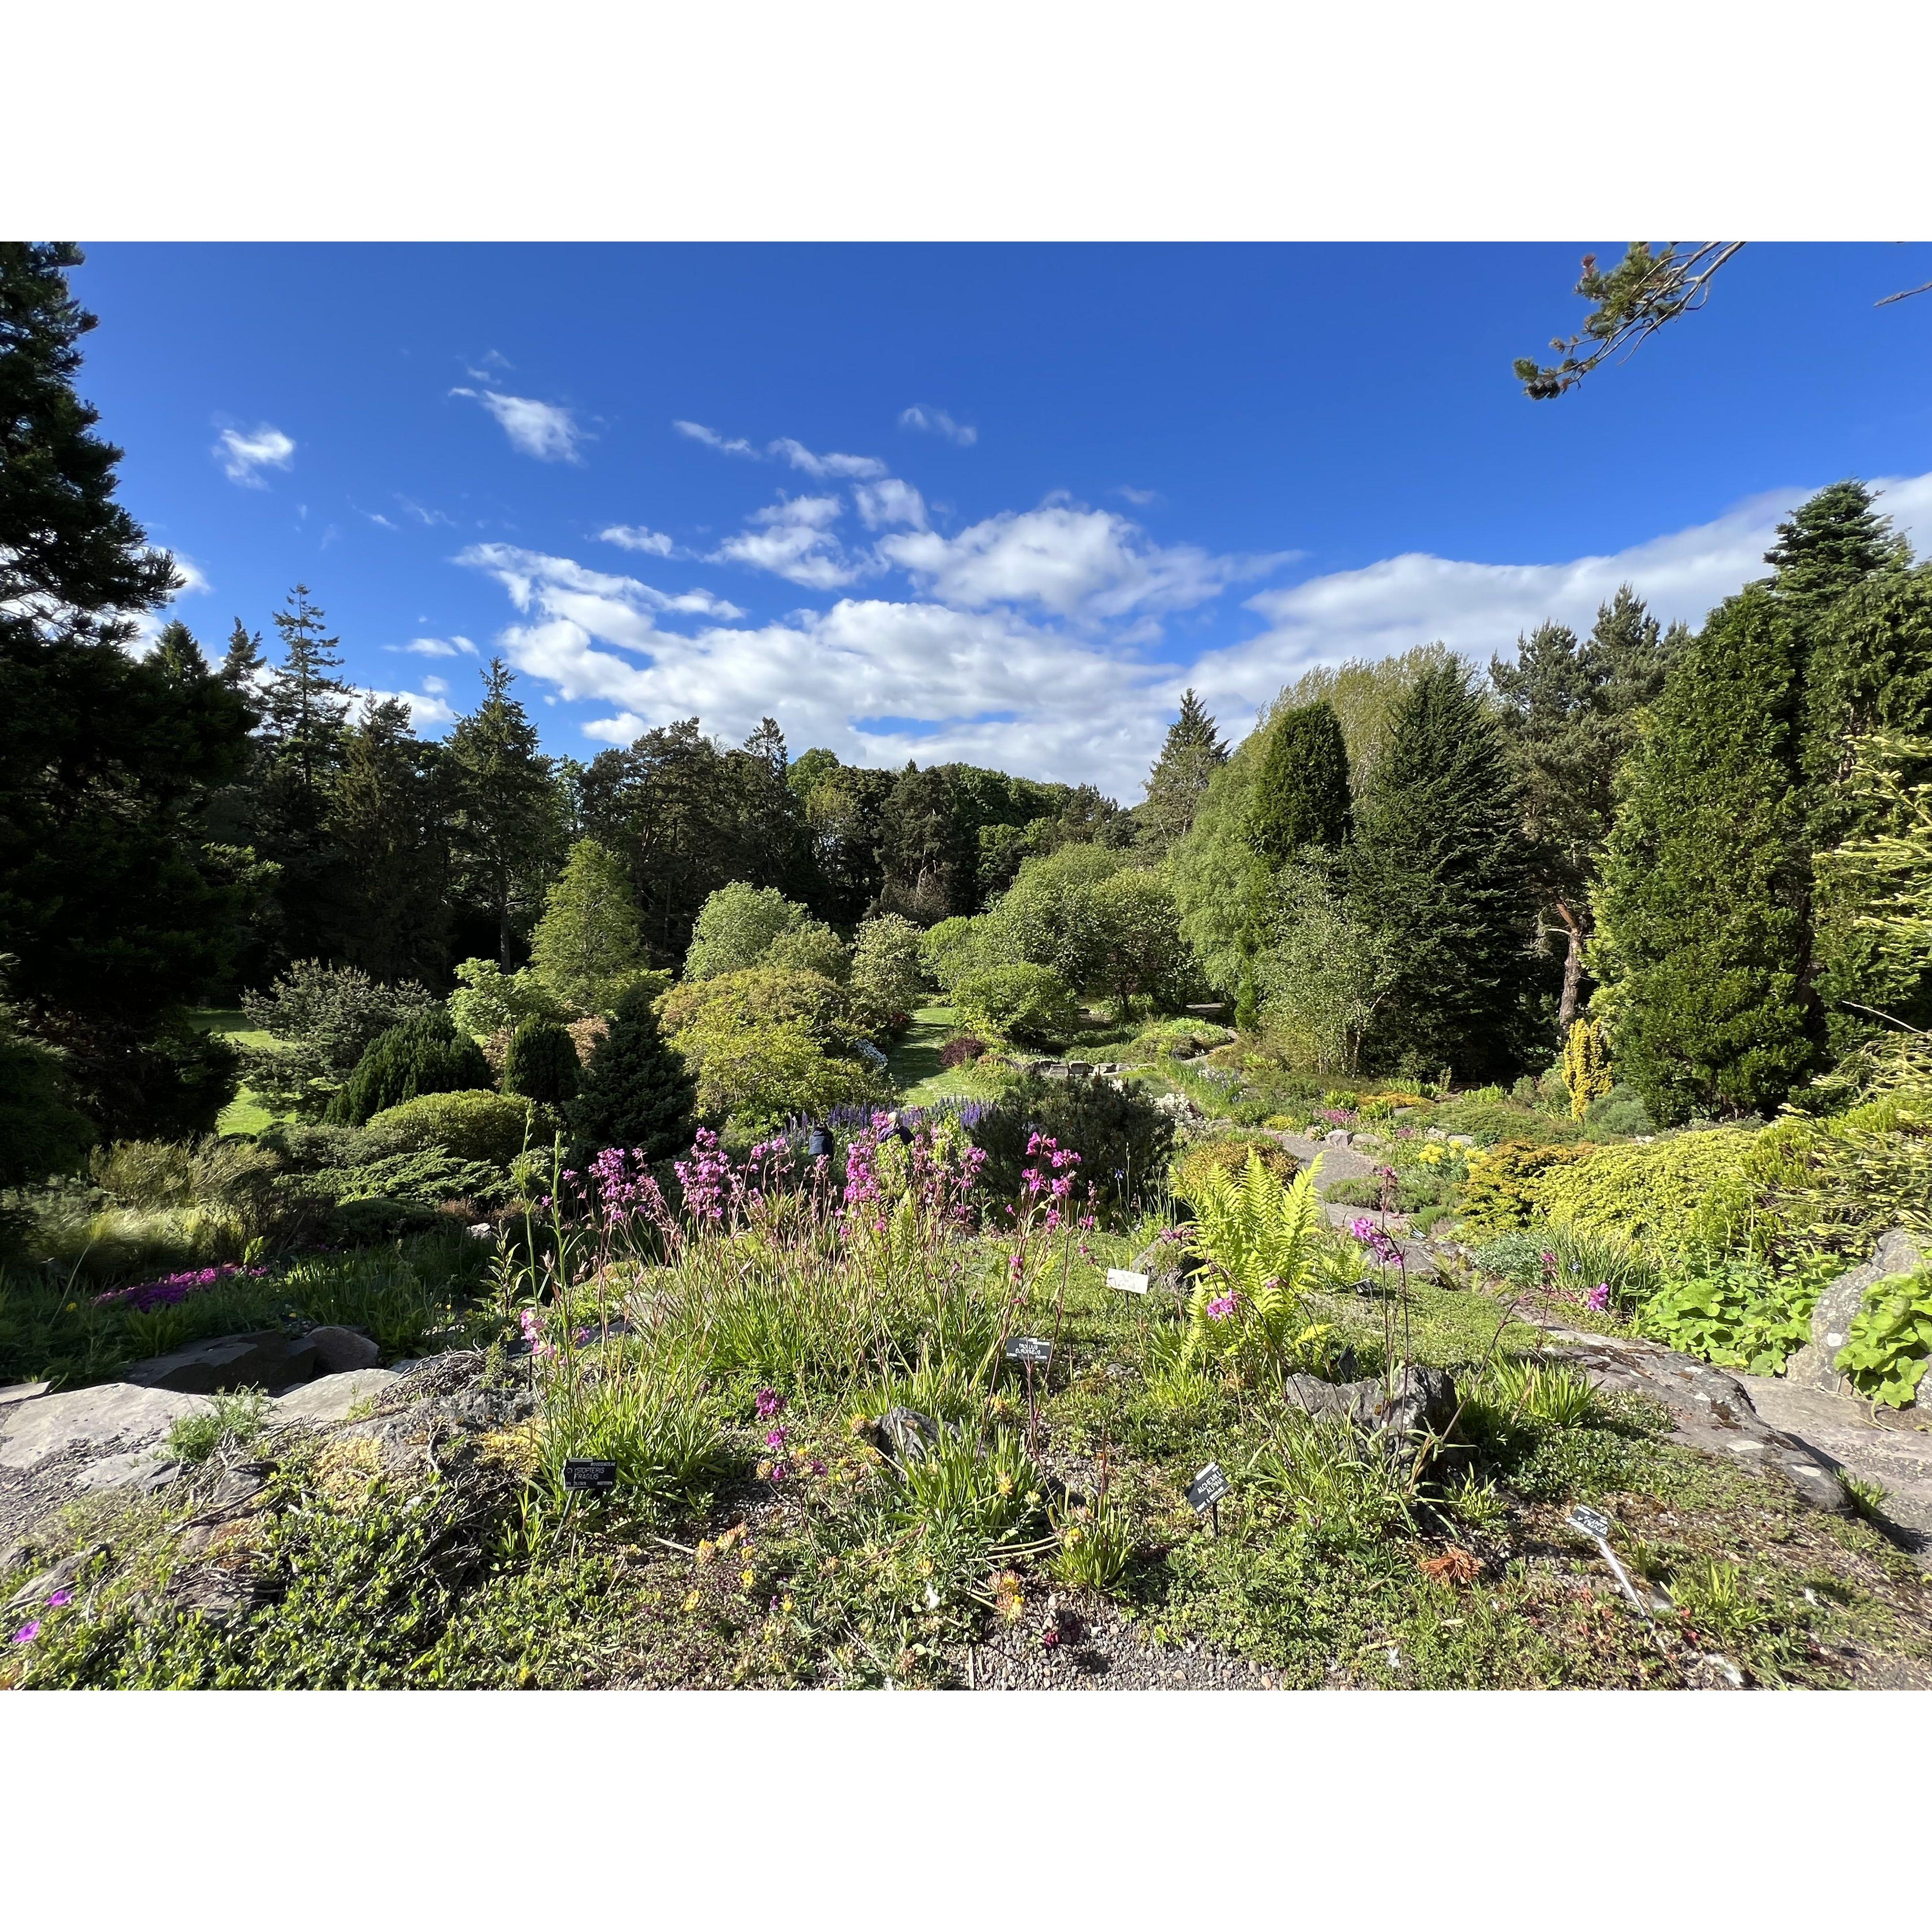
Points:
[(1000, 503)]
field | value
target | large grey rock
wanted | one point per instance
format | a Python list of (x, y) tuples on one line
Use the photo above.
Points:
[(1710, 1408), (1420, 1399), (22, 1392), (134, 1468), (114, 1414), (1813, 1366), (271, 1358), (1167, 1264), (330, 1398), (907, 1434), (338, 1351)]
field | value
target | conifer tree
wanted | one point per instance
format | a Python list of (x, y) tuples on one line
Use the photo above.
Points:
[(1702, 914), (106, 761), (636, 1092), (541, 1062), (423, 1054), (1438, 865), (1301, 792), (507, 824), (1193, 752), (1570, 714), (588, 938)]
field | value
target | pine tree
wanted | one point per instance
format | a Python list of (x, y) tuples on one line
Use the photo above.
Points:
[(588, 938), (1830, 542), (541, 1062), (177, 656), (1702, 908), (1438, 867), (636, 1092), (1301, 792), (1194, 751), (507, 820), (1570, 714), (388, 890), (106, 761)]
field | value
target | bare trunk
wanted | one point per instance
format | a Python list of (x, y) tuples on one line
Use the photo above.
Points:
[(1573, 968)]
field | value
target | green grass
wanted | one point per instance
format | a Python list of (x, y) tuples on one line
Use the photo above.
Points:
[(244, 1113), (914, 1068)]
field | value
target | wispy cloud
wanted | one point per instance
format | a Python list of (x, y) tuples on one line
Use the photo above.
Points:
[(490, 366), (425, 516), (546, 430), (522, 572), (636, 536), (454, 646), (736, 446), (937, 422), (1140, 499), (244, 454), (832, 464), (890, 502)]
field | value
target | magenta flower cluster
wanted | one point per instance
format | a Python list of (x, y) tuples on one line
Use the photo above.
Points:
[(1379, 1242), (172, 1289)]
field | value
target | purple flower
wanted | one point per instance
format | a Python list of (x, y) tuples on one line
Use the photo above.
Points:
[(1222, 1307), (60, 1600), (1599, 1298), (775, 1439), (769, 1402), (27, 1633)]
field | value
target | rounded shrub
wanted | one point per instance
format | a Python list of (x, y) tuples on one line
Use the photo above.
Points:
[(474, 1124), (961, 1050), (1030, 1005), (637, 1091), (542, 1064), (424, 1054), (1229, 1157), (1124, 1141)]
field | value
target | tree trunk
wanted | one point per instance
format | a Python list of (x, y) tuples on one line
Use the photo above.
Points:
[(1572, 969)]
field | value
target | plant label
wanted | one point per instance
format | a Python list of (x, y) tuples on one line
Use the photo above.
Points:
[(1127, 1281), (1590, 1523), (1028, 1349), (600, 1478), (1207, 1489)]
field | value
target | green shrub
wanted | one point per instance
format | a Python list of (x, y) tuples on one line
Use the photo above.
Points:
[(473, 1125), (759, 1077), (322, 1020), (764, 996), (423, 1055), (488, 1000), (42, 1133), (1226, 1159), (1886, 1352), (1124, 1141), (736, 927), (811, 947), (427, 1177), (1619, 1111), (145, 1174), (1698, 1190), (887, 976), (954, 950), (1030, 1005), (1506, 1184), (1488, 1120), (541, 1062)]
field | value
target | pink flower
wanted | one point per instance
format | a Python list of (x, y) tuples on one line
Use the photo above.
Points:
[(60, 1600), (1599, 1297), (1049, 1640), (27, 1633), (1222, 1307), (769, 1402), (775, 1439)]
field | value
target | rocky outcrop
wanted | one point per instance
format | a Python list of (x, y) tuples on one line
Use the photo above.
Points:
[(1419, 1401), (338, 1350), (110, 1415), (271, 1358), (1814, 1366)]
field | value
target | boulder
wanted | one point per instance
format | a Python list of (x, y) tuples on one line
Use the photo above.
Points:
[(112, 1413), (271, 1358), (1167, 1264), (908, 1435), (1814, 1365), (22, 1392), (329, 1398), (1421, 1399), (338, 1351)]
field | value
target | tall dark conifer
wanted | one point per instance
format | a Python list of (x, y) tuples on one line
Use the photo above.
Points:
[(1301, 792), (1193, 752), (1438, 863)]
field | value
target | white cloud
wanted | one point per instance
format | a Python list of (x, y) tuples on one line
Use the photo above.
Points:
[(1140, 499), (491, 364), (831, 464), (793, 539), (880, 679), (736, 446), (424, 516), (244, 454), (1075, 562), (426, 707), (890, 502), (194, 579), (937, 422), (546, 430), (435, 647), (635, 536)]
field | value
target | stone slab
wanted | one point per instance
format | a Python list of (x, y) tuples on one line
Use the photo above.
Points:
[(1813, 1366), (132, 1467), (1893, 1449), (113, 1414), (22, 1392), (330, 1398)]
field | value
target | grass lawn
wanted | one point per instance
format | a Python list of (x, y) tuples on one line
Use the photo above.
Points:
[(244, 1113), (915, 1068)]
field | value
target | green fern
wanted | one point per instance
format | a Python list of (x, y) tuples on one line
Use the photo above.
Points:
[(1259, 1238)]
